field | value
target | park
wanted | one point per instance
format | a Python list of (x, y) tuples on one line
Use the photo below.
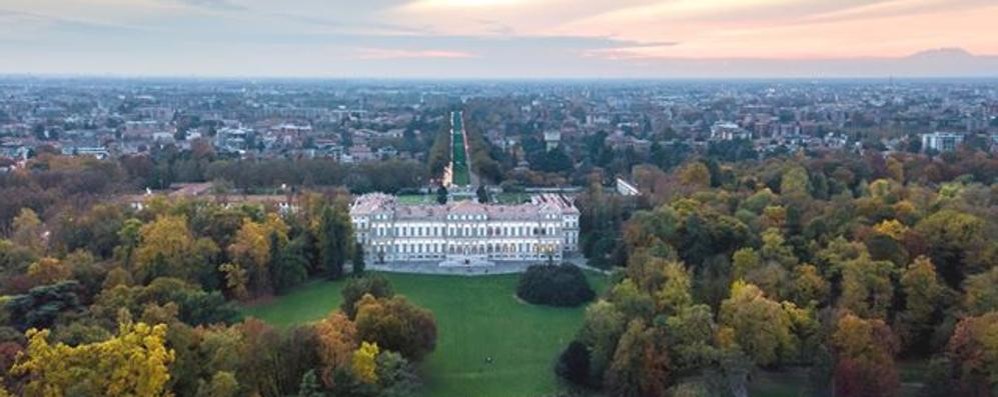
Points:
[(489, 344)]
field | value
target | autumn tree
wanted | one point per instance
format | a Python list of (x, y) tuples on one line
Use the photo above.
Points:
[(48, 271), (337, 338), (397, 325), (640, 366), (375, 285), (133, 363), (973, 349), (864, 352), (168, 248), (363, 364), (29, 231), (955, 237), (761, 327)]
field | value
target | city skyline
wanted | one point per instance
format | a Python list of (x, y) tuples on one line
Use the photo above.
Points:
[(500, 38)]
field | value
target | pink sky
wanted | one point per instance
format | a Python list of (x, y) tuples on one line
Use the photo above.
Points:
[(477, 38)]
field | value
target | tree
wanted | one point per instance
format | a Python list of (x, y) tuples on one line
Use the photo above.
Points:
[(865, 358), (222, 384), (40, 307), (335, 239), (48, 271), (602, 326), (358, 260), (795, 183), (483, 194), (563, 285), (695, 174), (28, 231), (337, 338), (640, 367), (442, 195), (133, 363), (397, 325), (924, 296), (980, 295), (363, 364), (250, 250), (290, 267), (808, 287), (973, 350), (573, 363), (689, 336), (375, 285), (168, 248), (396, 376), (955, 237), (761, 326), (130, 236), (867, 289)]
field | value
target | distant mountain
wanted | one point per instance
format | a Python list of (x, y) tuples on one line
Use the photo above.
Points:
[(943, 62)]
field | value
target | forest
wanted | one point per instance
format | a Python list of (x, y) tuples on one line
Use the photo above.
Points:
[(102, 299), (838, 266)]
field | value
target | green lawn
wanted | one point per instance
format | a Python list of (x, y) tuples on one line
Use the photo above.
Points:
[(459, 156), (477, 317), (417, 199)]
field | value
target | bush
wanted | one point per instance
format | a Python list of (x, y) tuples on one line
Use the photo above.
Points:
[(563, 285)]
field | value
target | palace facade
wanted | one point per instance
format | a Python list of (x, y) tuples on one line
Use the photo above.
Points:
[(546, 227)]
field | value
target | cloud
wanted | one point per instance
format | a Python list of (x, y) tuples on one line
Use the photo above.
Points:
[(226, 5), (388, 53)]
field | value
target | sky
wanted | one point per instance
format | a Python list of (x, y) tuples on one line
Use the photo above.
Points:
[(500, 38)]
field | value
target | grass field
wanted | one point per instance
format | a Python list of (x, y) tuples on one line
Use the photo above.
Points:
[(459, 157), (477, 317), (417, 199)]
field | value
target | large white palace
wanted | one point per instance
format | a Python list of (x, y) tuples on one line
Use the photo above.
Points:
[(546, 227)]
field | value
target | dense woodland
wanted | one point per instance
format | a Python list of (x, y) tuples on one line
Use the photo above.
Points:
[(103, 300), (840, 266)]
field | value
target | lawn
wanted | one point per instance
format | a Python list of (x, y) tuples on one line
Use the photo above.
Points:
[(417, 199), (477, 317), (459, 158)]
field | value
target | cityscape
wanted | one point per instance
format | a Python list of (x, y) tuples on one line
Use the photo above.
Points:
[(499, 198)]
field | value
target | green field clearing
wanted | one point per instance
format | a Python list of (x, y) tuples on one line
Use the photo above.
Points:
[(477, 317), (459, 156)]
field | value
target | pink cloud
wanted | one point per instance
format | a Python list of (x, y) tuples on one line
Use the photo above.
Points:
[(390, 53)]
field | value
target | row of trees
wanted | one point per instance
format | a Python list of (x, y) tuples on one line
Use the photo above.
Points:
[(776, 265)]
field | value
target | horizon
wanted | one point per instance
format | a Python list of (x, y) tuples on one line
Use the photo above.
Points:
[(501, 39)]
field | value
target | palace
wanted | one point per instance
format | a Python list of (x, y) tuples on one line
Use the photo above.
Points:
[(546, 227)]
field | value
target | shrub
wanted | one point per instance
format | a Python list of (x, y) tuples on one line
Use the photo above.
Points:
[(563, 285)]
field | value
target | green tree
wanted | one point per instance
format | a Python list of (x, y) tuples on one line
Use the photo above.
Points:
[(358, 260), (760, 325), (867, 287), (335, 239), (924, 296)]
